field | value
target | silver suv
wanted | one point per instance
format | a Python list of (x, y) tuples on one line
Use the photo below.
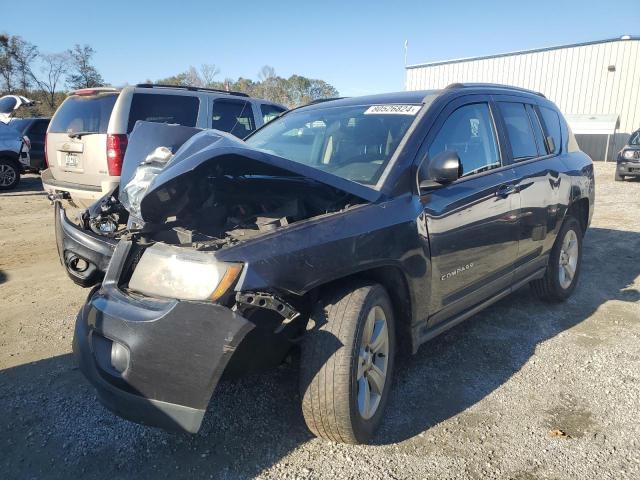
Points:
[(88, 134)]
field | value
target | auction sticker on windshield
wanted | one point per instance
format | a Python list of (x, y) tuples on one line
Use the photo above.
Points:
[(392, 110)]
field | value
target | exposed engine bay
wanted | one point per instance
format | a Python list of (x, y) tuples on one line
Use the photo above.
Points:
[(223, 211)]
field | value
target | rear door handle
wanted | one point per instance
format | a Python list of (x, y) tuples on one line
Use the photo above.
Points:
[(505, 190)]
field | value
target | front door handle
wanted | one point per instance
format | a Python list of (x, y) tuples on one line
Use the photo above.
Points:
[(505, 190)]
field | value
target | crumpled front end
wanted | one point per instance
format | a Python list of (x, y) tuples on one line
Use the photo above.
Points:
[(152, 361)]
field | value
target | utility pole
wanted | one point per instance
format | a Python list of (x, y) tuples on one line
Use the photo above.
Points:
[(406, 48)]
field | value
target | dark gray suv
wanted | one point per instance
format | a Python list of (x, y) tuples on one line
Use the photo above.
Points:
[(350, 230), (628, 161)]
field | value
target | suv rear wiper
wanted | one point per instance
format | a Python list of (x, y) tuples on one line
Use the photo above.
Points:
[(80, 134)]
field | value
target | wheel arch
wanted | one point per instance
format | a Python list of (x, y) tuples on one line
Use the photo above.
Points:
[(579, 209), (394, 281)]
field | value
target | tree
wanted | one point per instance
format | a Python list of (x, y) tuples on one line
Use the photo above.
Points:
[(293, 91), (16, 59), (208, 73), (53, 67), (6, 63), (83, 74)]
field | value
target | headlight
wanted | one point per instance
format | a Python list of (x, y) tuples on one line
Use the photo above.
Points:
[(175, 272), (627, 154)]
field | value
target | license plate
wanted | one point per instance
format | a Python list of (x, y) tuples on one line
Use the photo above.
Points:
[(71, 160)]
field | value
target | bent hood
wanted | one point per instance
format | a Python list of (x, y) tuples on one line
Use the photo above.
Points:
[(212, 150), (11, 103)]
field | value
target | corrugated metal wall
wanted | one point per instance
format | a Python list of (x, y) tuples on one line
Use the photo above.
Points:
[(576, 78)]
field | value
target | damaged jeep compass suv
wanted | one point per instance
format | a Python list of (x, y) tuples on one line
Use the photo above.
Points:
[(352, 229)]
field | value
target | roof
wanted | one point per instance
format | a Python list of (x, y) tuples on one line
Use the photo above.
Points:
[(593, 124), (415, 96), (623, 38)]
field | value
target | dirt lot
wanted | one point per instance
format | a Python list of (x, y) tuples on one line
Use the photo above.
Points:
[(479, 402)]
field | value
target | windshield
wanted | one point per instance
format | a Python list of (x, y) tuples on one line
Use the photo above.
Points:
[(354, 142), (635, 138), (79, 113)]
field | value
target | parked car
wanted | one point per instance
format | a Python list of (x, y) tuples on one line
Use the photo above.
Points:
[(352, 230), (628, 161), (35, 130), (87, 136), (14, 146)]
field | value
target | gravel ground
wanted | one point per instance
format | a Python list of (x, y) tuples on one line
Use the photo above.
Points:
[(481, 401)]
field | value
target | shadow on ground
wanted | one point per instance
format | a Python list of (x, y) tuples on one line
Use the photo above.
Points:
[(29, 185), (54, 427)]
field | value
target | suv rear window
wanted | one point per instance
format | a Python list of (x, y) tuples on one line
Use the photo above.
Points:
[(79, 113), (160, 108)]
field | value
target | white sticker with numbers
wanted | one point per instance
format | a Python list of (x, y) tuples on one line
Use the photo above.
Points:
[(392, 110)]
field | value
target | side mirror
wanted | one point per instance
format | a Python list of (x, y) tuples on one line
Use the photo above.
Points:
[(440, 170)]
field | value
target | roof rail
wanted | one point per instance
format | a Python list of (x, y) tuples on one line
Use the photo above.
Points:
[(492, 85), (193, 89), (93, 90), (322, 100)]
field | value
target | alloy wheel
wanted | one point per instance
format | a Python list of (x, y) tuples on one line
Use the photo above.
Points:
[(568, 259), (7, 175), (373, 361)]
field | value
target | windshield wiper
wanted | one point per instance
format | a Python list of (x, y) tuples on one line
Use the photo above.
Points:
[(80, 134)]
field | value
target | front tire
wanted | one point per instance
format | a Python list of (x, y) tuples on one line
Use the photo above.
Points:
[(563, 270), (618, 178), (347, 363), (9, 174)]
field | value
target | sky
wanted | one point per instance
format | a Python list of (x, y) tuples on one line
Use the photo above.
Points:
[(357, 46)]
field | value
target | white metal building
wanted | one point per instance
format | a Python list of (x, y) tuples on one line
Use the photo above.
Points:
[(595, 84)]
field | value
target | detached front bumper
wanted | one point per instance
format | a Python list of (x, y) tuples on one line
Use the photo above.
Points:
[(83, 254), (176, 352)]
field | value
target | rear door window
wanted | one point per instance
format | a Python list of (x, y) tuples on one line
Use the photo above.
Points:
[(519, 130), (469, 131), (233, 116), (269, 112), (80, 113), (552, 125), (161, 108)]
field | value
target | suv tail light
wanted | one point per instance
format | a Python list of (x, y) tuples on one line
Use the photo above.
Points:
[(46, 160), (116, 146)]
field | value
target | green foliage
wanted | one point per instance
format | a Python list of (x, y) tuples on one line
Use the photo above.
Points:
[(83, 74), (292, 92)]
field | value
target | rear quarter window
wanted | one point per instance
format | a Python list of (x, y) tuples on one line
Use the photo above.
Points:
[(80, 113), (161, 108), (269, 112), (552, 125)]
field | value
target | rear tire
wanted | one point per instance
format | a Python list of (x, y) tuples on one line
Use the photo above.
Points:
[(9, 174), (618, 178), (347, 363), (563, 270)]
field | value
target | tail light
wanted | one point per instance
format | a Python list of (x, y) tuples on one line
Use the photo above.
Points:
[(116, 146), (46, 160)]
